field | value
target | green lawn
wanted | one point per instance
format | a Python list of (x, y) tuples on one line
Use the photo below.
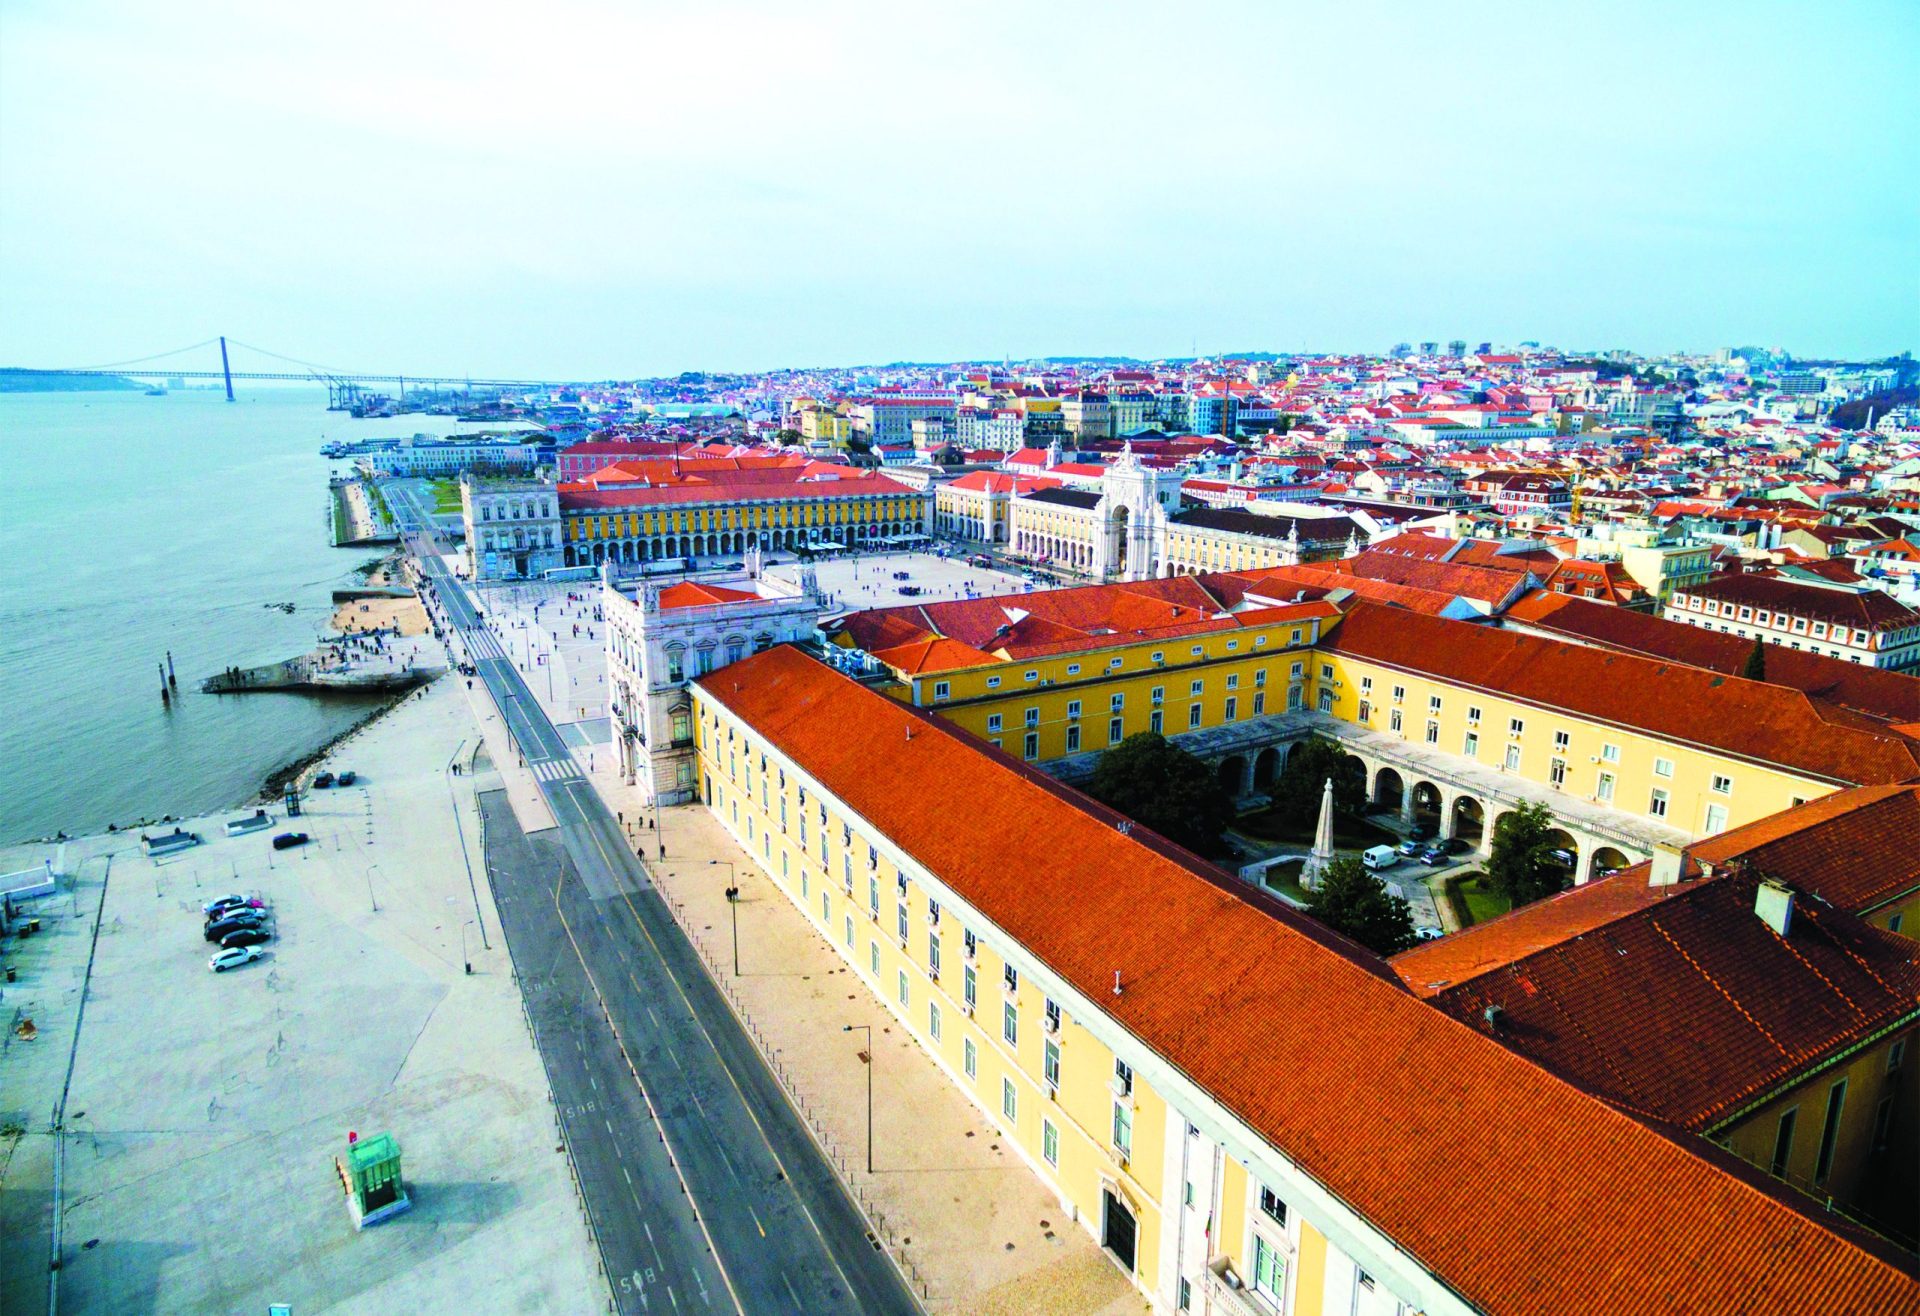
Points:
[(446, 497), (1349, 833), (1474, 901), (1285, 878)]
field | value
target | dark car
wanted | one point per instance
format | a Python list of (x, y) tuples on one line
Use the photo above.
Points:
[(245, 937), (346, 778), (287, 840), (910, 589), (322, 780), (1421, 831), (1434, 854), (220, 928)]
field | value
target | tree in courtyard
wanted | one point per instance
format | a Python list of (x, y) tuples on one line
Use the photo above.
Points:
[(1160, 785), (1756, 666), (1522, 867), (1296, 795), (1354, 900)]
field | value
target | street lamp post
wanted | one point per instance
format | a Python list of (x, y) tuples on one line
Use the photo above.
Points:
[(868, 1030), (733, 907), (370, 896), (463, 945)]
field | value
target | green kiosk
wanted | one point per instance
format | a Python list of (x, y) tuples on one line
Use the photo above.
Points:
[(370, 1173)]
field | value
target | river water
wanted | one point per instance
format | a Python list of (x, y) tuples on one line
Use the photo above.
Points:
[(131, 525)]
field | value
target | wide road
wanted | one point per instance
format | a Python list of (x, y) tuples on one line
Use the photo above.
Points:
[(786, 1237)]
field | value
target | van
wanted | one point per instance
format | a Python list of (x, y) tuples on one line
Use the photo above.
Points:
[(1380, 856)]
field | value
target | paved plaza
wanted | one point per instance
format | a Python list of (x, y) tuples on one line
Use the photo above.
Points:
[(206, 1109)]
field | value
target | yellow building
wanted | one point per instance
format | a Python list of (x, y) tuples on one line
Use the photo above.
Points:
[(1452, 724), (1247, 1112), (643, 511)]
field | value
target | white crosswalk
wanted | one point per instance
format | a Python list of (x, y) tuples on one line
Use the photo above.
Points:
[(556, 770)]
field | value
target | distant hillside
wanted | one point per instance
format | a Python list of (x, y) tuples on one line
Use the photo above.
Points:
[(15, 380)]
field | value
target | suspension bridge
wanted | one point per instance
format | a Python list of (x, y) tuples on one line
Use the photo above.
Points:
[(344, 387)]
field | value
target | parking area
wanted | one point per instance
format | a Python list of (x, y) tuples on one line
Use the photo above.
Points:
[(206, 1108)]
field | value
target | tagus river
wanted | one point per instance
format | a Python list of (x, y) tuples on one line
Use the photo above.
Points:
[(131, 525)]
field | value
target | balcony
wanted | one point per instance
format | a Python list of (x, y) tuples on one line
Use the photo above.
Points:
[(1226, 1294)]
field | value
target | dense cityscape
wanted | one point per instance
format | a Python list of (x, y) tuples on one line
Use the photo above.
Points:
[(960, 659)]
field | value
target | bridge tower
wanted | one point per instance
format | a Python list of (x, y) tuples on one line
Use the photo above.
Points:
[(225, 369)]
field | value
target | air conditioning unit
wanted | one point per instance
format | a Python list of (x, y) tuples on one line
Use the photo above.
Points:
[(1120, 1087), (933, 918), (1053, 1027), (966, 1008)]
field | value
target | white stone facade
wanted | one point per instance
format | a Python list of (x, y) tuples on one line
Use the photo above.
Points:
[(653, 651), (513, 528)]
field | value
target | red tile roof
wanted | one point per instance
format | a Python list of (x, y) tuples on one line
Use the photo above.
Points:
[(1744, 1012), (1868, 610), (1440, 1138), (1753, 720), (1893, 696), (1482, 584), (693, 594)]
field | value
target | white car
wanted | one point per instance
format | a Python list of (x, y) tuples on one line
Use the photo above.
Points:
[(1428, 934), (233, 957)]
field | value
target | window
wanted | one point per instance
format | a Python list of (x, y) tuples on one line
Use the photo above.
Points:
[(1366, 685), (1604, 791), (1123, 1128), (1557, 772), (1513, 758), (1050, 1065), (1233, 707), (1326, 671), (1433, 733), (1260, 703), (1193, 715), (1472, 745), (1393, 720), (1560, 741), (1299, 671), (993, 722), (1073, 739), (873, 957), (970, 1058), (1657, 806), (873, 897), (1433, 703), (1716, 819), (1009, 1099), (900, 922), (1053, 1015), (933, 1020), (1156, 722), (1663, 767), (1033, 717), (1473, 716), (1722, 785), (1049, 1143), (993, 683), (942, 689), (1073, 709), (1515, 726), (1159, 657), (1893, 923), (1233, 680), (1010, 1023), (1260, 678), (1609, 753), (1031, 749), (1073, 669), (1159, 694), (1272, 1207), (1269, 1271), (1032, 676), (1123, 1077), (1399, 693), (1010, 978), (1116, 731), (1196, 687), (1116, 703), (1830, 1131), (970, 987), (902, 986)]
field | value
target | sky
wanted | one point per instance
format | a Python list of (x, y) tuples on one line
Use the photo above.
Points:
[(568, 190)]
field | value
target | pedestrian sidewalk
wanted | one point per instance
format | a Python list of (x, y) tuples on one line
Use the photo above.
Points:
[(947, 1195)]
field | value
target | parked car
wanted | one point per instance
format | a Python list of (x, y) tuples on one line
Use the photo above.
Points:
[(1428, 933), (1421, 831), (250, 904), (346, 778), (218, 930), (213, 907), (1410, 848), (246, 937), (1380, 856), (1435, 854), (233, 957), (322, 780), (287, 840)]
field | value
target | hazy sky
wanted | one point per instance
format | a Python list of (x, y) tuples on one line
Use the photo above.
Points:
[(579, 190)]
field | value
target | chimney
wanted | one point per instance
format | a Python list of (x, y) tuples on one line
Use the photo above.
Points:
[(1773, 902), (1669, 865)]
